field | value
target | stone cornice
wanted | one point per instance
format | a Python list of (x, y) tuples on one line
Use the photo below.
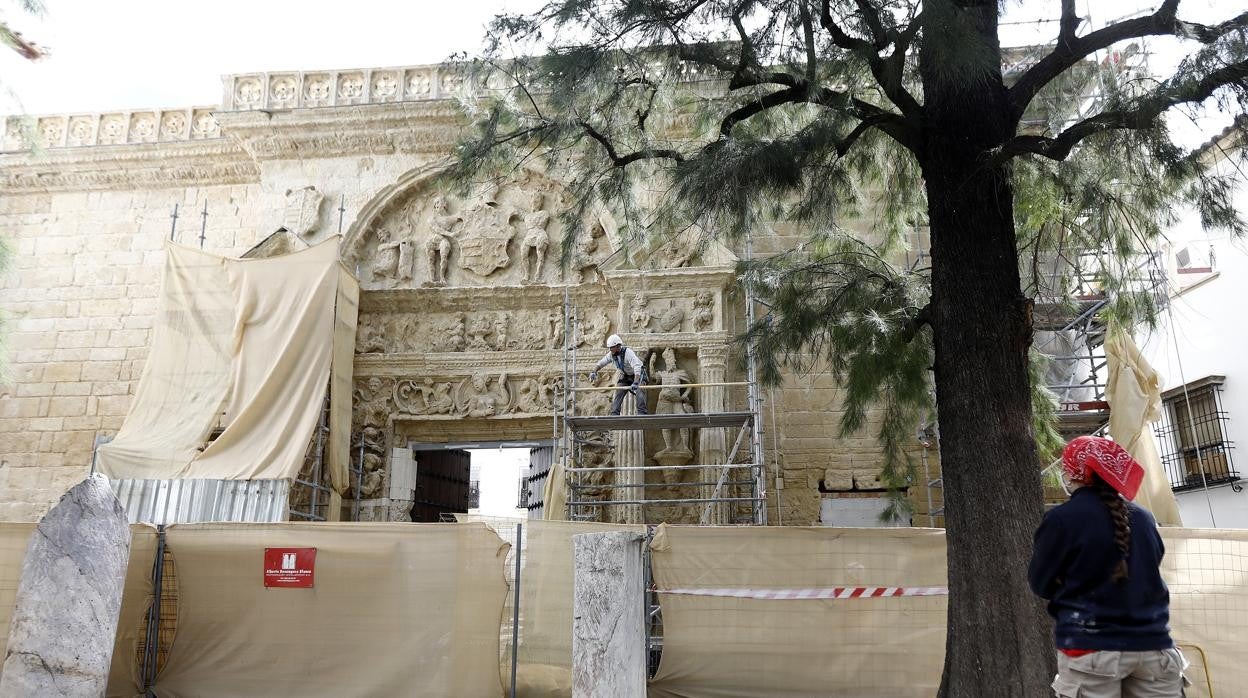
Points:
[(137, 166), (428, 128), (654, 281)]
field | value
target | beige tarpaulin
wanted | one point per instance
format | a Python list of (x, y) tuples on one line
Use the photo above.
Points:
[(253, 339), (717, 647), (124, 678), (14, 538), (395, 610), (1133, 391), (555, 493)]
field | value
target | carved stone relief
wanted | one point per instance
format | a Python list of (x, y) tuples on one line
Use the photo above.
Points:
[(703, 312), (639, 315), (500, 234), (302, 211)]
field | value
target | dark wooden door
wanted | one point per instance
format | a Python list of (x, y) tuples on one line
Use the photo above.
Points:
[(441, 484)]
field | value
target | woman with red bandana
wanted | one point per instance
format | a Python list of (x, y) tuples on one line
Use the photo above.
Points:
[(1097, 562)]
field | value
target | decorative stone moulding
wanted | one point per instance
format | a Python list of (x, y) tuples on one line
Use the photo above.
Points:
[(111, 128), (336, 88)]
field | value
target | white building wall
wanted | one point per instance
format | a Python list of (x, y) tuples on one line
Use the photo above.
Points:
[(1203, 332)]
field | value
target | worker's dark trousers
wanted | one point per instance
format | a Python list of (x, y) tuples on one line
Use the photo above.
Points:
[(625, 383)]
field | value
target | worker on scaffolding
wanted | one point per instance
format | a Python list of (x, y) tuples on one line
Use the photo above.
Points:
[(632, 374)]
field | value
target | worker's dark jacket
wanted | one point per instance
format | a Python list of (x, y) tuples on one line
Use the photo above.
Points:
[(1072, 564)]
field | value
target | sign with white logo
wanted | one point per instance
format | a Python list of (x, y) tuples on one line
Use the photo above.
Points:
[(289, 568)]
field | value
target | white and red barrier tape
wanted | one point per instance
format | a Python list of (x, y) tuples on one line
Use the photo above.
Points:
[(805, 594)]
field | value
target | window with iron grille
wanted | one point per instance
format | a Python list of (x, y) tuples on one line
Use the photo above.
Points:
[(1196, 451)]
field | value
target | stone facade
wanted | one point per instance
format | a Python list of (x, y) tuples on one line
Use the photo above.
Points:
[(461, 325)]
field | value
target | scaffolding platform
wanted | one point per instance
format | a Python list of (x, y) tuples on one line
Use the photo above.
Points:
[(642, 422)]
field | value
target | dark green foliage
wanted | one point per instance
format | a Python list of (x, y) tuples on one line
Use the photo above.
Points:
[(721, 118)]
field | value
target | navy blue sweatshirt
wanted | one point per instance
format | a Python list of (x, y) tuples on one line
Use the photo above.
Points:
[(1072, 566)]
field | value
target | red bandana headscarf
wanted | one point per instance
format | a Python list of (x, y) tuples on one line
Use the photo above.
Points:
[(1105, 458)]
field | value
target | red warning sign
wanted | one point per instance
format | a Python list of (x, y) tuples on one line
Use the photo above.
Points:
[(289, 568)]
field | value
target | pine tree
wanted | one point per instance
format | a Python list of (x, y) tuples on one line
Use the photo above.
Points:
[(720, 117)]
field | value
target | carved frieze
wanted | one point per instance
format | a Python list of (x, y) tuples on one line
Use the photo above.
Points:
[(480, 395), (474, 331)]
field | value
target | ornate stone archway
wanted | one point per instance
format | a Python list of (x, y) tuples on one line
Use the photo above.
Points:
[(461, 330)]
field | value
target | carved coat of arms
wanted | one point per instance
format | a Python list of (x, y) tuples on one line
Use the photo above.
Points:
[(487, 230), (303, 210)]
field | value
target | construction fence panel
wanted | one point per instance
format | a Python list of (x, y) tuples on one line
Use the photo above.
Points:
[(1207, 572), (394, 610), (718, 646)]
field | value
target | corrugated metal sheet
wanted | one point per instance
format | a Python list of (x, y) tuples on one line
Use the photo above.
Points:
[(197, 501)]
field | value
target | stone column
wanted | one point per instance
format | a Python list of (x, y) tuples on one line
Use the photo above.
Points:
[(608, 616), (630, 451), (712, 443), (69, 596)]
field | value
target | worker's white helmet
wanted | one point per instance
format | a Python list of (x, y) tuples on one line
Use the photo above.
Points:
[(614, 341)]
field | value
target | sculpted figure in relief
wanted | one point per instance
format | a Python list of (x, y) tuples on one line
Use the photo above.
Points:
[(535, 396), (585, 256), (674, 398), (448, 334), (423, 398), (640, 315), (596, 402), (535, 242), (595, 328), (371, 402), (370, 339), (483, 401), (703, 312), (500, 333), (388, 262), (479, 329), (438, 247)]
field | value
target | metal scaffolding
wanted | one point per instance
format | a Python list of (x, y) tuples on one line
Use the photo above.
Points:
[(730, 490)]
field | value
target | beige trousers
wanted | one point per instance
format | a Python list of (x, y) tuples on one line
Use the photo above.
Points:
[(1154, 674)]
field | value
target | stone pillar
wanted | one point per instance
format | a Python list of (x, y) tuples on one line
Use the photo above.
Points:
[(608, 616), (69, 596), (630, 451), (712, 443)]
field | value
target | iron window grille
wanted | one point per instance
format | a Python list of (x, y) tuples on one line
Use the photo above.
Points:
[(1196, 452)]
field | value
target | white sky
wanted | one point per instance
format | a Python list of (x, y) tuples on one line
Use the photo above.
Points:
[(124, 54), (499, 470)]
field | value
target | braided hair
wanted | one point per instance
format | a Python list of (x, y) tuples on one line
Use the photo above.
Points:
[(1122, 523)]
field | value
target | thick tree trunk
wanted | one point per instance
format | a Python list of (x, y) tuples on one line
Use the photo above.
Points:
[(998, 642)]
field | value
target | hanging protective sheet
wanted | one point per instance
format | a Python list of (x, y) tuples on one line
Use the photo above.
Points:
[(1134, 395), (248, 341)]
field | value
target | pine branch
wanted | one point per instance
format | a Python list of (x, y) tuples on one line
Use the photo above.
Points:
[(1143, 116), (626, 160), (1071, 49), (887, 73)]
